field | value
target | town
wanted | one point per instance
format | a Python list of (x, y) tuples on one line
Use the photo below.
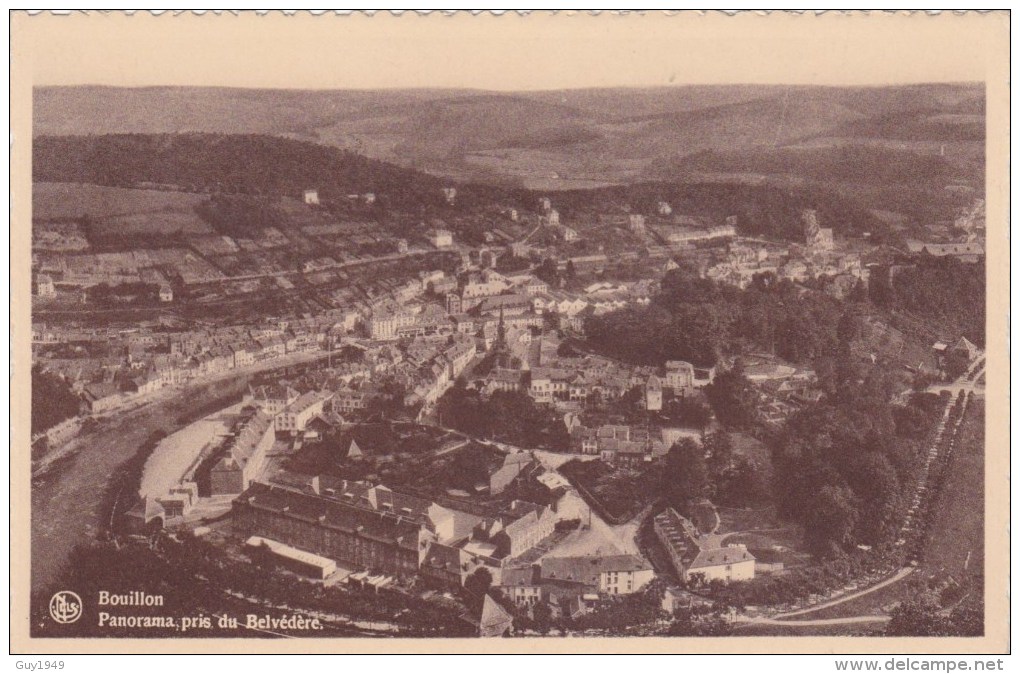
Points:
[(449, 408)]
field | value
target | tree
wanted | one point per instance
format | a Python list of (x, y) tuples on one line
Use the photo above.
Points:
[(918, 617), (548, 272), (476, 586), (685, 476), (732, 397), (571, 272), (542, 615), (830, 523), (719, 451)]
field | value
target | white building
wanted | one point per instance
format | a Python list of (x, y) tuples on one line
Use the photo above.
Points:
[(295, 417), (312, 197), (44, 286), (440, 238)]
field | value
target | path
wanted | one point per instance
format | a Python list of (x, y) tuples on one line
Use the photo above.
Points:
[(895, 578), (816, 623)]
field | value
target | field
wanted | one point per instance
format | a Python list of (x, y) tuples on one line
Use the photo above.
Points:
[(117, 210)]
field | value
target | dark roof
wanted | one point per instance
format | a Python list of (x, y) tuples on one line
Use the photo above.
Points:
[(381, 526)]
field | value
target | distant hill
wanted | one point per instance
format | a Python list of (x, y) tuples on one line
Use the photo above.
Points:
[(245, 164), (548, 140), (254, 166)]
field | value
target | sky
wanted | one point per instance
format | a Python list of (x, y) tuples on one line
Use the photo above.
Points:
[(511, 53)]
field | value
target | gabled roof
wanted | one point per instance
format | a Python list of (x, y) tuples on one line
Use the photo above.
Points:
[(720, 557), (495, 620)]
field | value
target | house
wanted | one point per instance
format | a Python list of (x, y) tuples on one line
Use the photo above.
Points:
[(513, 466), (517, 529), (243, 454), (731, 563), (679, 376), (495, 620), (294, 417), (521, 586), (311, 197), (101, 396), (440, 238), (44, 286), (613, 574), (272, 399), (694, 556), (448, 565), (637, 223), (166, 293)]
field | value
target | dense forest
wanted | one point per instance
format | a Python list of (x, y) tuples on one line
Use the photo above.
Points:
[(700, 320), (271, 166), (940, 289), (761, 210), (843, 464), (242, 164)]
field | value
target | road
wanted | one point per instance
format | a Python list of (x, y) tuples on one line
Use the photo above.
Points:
[(895, 578), (817, 623)]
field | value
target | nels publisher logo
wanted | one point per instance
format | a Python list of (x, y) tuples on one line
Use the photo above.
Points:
[(65, 607)]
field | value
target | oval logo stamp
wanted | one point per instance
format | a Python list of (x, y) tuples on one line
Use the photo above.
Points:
[(65, 607)]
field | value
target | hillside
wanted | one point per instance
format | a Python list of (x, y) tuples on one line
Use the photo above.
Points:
[(545, 140), (258, 165), (247, 164)]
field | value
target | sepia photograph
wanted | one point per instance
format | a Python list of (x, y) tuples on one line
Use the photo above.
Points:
[(548, 332)]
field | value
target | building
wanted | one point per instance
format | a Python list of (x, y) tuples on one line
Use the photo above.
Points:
[(521, 586), (272, 399), (815, 237), (101, 396), (294, 417), (355, 535), (440, 238), (311, 197), (679, 376), (614, 574), (292, 559), (44, 286), (166, 293), (696, 557), (653, 394), (513, 466), (637, 223), (243, 454)]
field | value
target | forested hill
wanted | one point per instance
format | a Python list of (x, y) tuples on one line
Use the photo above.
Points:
[(761, 210), (251, 164), (242, 164)]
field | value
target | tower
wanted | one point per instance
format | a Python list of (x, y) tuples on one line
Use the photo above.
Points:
[(653, 394)]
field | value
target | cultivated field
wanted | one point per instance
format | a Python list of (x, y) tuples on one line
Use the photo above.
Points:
[(115, 209)]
